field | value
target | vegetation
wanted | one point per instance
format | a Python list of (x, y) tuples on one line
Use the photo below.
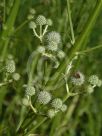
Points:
[(50, 68)]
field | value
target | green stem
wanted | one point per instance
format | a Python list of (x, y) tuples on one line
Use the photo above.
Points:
[(38, 125), (4, 16), (70, 22), (4, 41), (91, 49), (22, 25)]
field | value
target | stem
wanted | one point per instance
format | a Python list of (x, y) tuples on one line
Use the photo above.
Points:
[(22, 25), (45, 30), (38, 125), (91, 49), (4, 16), (70, 22), (30, 104)]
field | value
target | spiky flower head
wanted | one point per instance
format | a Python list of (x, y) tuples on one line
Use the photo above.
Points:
[(89, 89), (41, 20), (64, 108), (30, 90), (32, 25), (54, 37), (93, 80), (57, 103), (10, 66), (51, 113), (52, 46), (16, 76), (78, 79), (44, 97)]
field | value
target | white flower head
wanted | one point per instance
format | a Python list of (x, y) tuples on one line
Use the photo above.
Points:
[(44, 97), (57, 103), (41, 20), (78, 79)]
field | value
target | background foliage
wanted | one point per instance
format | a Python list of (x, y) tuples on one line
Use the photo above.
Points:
[(84, 115)]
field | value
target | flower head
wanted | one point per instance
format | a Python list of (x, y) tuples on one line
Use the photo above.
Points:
[(57, 103), (44, 97), (54, 37), (93, 80), (10, 66), (51, 113), (30, 90), (41, 20), (78, 79)]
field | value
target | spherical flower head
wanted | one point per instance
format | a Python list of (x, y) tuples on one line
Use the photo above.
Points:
[(64, 108), (10, 66), (78, 79), (57, 103), (44, 97), (89, 89), (54, 37), (51, 113), (30, 90), (41, 20), (61, 54), (25, 101), (49, 22), (52, 46), (16, 76), (93, 80), (99, 83), (41, 49), (32, 25)]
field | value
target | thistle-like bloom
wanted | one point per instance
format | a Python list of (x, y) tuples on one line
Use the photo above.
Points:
[(54, 37), (30, 90), (64, 108), (78, 79), (93, 80), (44, 97), (57, 103), (89, 89), (10, 66), (51, 113), (41, 20)]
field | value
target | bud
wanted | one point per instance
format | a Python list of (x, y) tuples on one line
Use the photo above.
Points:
[(51, 113), (64, 108), (16, 76)]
